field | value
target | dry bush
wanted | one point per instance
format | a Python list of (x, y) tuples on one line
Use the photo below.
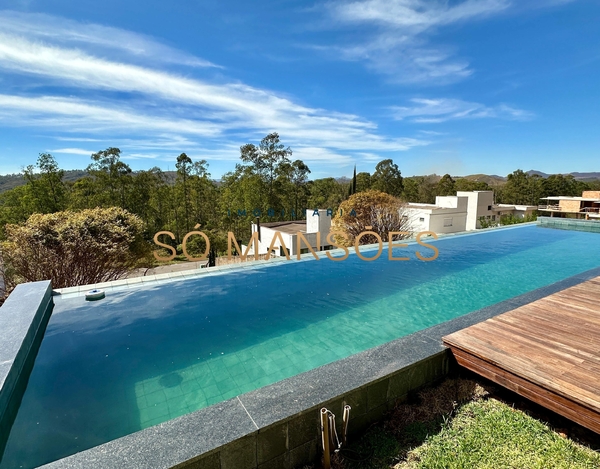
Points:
[(382, 212), (73, 248)]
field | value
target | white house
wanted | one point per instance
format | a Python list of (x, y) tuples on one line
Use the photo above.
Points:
[(462, 212), (447, 215), (289, 230)]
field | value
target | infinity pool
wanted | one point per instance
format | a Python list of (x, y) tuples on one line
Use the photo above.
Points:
[(150, 353)]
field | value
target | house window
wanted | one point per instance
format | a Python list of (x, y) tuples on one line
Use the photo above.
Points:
[(493, 217), (421, 219), (447, 222), (489, 207)]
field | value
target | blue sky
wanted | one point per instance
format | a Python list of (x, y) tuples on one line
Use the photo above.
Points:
[(459, 87)]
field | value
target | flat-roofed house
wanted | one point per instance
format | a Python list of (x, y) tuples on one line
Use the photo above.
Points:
[(317, 222), (585, 207), (447, 215), (462, 212)]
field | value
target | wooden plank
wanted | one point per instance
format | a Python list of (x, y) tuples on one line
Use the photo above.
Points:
[(547, 351), (558, 404), (540, 373), (569, 409)]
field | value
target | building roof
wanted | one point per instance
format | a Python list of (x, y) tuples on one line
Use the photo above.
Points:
[(289, 227), (566, 197), (418, 205), (513, 206)]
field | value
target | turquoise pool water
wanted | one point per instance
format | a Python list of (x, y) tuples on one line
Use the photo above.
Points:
[(147, 354)]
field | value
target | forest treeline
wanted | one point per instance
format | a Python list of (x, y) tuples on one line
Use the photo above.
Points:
[(266, 177)]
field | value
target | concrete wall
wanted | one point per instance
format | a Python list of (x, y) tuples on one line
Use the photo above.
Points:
[(268, 234), (418, 219), (478, 204), (318, 223), (448, 215), (441, 222)]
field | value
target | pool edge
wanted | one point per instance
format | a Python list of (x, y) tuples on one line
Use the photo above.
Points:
[(23, 319), (277, 425)]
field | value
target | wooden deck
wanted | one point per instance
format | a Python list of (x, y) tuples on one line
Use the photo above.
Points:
[(547, 351)]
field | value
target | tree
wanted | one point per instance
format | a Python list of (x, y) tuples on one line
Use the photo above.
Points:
[(378, 210), (363, 181), (557, 184), (295, 176), (184, 165), (463, 184), (326, 193), (387, 178), (16, 205), (521, 189), (266, 160), (352, 188), (46, 184), (445, 186), (419, 189), (112, 176), (73, 248)]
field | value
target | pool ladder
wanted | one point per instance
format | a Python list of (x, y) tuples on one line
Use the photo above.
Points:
[(329, 434)]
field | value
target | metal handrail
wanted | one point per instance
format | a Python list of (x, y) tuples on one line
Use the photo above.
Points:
[(581, 210)]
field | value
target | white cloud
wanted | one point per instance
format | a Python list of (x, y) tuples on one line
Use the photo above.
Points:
[(150, 109), (159, 98), (398, 42), (49, 28), (72, 151), (75, 115), (445, 109), (415, 15)]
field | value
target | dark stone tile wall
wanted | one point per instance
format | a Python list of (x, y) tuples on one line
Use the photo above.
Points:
[(296, 441)]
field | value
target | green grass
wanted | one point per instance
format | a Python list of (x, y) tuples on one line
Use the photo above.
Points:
[(458, 425), (489, 434)]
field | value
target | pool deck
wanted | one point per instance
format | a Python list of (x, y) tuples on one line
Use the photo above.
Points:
[(547, 351)]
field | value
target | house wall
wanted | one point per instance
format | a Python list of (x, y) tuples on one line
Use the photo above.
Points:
[(479, 205), (569, 205), (439, 222), (448, 215), (320, 223), (518, 211), (591, 194), (418, 219)]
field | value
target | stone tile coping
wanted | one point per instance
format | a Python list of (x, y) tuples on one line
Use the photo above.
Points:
[(23, 319), (176, 441)]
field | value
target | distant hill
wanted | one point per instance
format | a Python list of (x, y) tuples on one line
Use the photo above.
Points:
[(592, 176), (586, 176), (10, 181), (492, 180)]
